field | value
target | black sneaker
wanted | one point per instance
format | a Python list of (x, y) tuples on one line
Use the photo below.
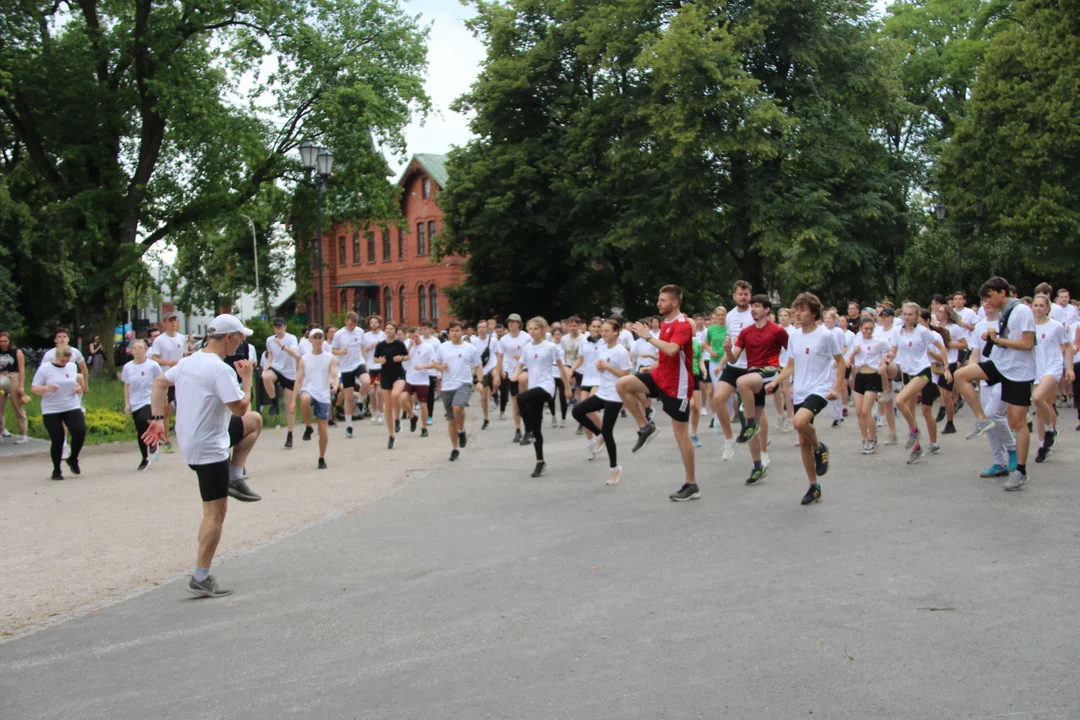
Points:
[(390, 443), (648, 414), (644, 436), (1040, 454), (959, 405), (239, 489), (748, 433), (526, 439), (485, 425), (821, 457), (144, 464), (517, 436), (1051, 436), (756, 475), (539, 469), (73, 463), (949, 429), (941, 414), (836, 423), (322, 463), (288, 440), (462, 439), (57, 475), (454, 455), (274, 409), (331, 422), (412, 423), (397, 426), (308, 432), (348, 433), (686, 492), (423, 432), (812, 495)]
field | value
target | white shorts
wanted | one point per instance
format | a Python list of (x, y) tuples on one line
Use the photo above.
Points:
[(1055, 372)]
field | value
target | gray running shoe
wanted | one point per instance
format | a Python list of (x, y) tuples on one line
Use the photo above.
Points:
[(239, 489), (981, 428), (916, 454), (893, 440), (933, 449), (912, 439), (208, 588), (1016, 479)]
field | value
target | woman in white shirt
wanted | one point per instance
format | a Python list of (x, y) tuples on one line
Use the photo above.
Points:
[(612, 363), (948, 319), (561, 385), (586, 362), (1053, 358), (540, 358), (910, 348), (138, 376), (868, 354), (61, 387)]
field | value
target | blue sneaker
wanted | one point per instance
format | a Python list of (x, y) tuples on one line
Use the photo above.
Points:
[(1012, 460), (695, 441), (994, 471)]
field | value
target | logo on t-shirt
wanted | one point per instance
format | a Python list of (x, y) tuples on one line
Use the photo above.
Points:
[(909, 343), (807, 351), (1044, 336)]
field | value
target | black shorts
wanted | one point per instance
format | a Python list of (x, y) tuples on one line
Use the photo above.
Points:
[(678, 409), (1014, 392), (767, 376), (813, 403), (697, 382), (236, 430), (489, 379), (924, 374), (387, 380), (930, 393), (286, 383), (172, 395), (578, 377), (707, 377), (213, 478), (847, 372), (867, 382), (731, 374), (948, 385), (352, 377), (587, 389), (514, 387)]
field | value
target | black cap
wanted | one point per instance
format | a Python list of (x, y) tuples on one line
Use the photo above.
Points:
[(280, 321), (888, 312)]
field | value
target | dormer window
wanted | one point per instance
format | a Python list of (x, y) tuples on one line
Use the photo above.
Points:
[(426, 185)]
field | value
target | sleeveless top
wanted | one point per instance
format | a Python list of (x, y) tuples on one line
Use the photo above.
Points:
[(9, 360)]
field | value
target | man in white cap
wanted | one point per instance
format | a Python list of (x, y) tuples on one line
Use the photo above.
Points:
[(316, 378), (213, 417)]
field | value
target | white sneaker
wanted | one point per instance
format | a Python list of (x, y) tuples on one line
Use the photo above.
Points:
[(881, 421), (20, 439), (764, 459), (704, 412), (66, 452), (554, 421), (729, 449), (6, 433), (613, 476), (562, 423)]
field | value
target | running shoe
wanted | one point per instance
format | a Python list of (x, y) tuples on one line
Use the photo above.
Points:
[(994, 471), (144, 464), (462, 439), (397, 426), (893, 440), (933, 449), (729, 449), (331, 423), (749, 432), (941, 414), (423, 432), (845, 413), (866, 447), (454, 455), (308, 432), (208, 588), (686, 492), (482, 427), (554, 421), (1016, 479), (1040, 455), (1051, 436), (821, 457), (20, 439), (517, 436), (348, 432), (168, 448), (390, 443), (57, 475), (812, 495), (622, 413), (704, 412), (695, 441), (73, 464), (981, 428), (322, 463), (644, 436), (959, 405), (413, 420), (596, 447), (539, 469), (239, 489), (764, 459), (562, 422), (885, 397), (375, 417), (526, 439), (756, 475), (502, 414), (916, 454), (580, 430), (613, 475), (836, 423), (912, 439), (879, 421), (949, 428), (274, 407), (648, 414), (288, 440)]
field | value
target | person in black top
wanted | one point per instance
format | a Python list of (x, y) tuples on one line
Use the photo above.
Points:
[(391, 353)]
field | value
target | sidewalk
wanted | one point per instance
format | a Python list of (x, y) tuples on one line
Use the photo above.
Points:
[(32, 446)]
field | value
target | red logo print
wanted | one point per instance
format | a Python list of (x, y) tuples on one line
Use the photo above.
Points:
[(1044, 336), (807, 351), (909, 343)]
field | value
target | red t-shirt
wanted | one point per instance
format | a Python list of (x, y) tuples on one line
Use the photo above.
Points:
[(674, 373), (762, 345)]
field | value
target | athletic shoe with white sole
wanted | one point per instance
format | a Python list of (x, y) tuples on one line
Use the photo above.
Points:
[(729, 449), (644, 436), (613, 475), (1016, 479), (686, 492), (208, 588), (981, 428)]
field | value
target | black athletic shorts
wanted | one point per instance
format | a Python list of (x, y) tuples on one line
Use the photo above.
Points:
[(847, 372), (387, 380), (678, 409), (697, 382), (213, 479), (352, 377), (172, 394), (930, 393), (731, 374), (489, 379), (1014, 392), (236, 430), (867, 382), (948, 385), (813, 403), (514, 386), (924, 374), (578, 377), (707, 377), (767, 376), (287, 383)]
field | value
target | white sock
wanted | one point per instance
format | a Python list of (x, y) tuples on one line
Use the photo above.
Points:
[(201, 574), (236, 472), (348, 421)]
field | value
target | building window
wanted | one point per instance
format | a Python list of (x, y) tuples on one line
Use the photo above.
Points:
[(388, 303), (433, 296), (341, 250), (421, 296), (371, 247), (431, 233), (401, 244), (356, 249), (344, 301), (401, 304), (421, 239), (426, 185), (386, 244)]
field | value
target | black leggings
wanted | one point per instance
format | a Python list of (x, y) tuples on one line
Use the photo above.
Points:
[(142, 423), (76, 424), (531, 408), (431, 397), (561, 392), (611, 414), (504, 393)]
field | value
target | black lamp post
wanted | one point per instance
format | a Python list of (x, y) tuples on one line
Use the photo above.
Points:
[(940, 212), (321, 161)]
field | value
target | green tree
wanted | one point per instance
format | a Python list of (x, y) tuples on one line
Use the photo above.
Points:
[(129, 123)]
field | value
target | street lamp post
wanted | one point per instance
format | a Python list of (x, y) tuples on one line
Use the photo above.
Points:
[(321, 161), (940, 212), (255, 250)]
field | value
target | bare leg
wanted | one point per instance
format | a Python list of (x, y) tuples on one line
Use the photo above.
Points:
[(1017, 415), (629, 388), (965, 378), (290, 409), (210, 531), (686, 449), (808, 442), (324, 437), (720, 399)]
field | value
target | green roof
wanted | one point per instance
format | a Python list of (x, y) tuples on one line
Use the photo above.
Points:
[(435, 165)]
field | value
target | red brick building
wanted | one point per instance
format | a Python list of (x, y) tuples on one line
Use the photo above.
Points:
[(386, 270)]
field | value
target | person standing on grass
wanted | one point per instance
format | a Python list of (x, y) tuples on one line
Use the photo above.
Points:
[(167, 350), (138, 375), (460, 366), (213, 417), (61, 386), (12, 385), (317, 375), (282, 350)]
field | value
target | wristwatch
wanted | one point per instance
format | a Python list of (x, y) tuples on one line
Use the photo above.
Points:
[(157, 417)]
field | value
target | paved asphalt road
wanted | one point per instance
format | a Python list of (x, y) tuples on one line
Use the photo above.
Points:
[(477, 592)]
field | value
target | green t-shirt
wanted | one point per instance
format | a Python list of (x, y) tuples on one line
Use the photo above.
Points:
[(717, 334), (697, 356)]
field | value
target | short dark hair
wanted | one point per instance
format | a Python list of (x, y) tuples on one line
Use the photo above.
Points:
[(994, 284), (426, 323), (453, 324), (809, 301), (961, 293), (573, 319), (743, 285), (938, 298), (615, 323), (57, 331), (1043, 288), (763, 300), (674, 291)]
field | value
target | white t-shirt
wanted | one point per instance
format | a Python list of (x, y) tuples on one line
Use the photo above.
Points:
[(351, 341), (1016, 365), (1072, 315), (206, 385), (737, 321), (510, 347), (420, 354), (1049, 360), (169, 349), (645, 355), (911, 348), (956, 333), (626, 338), (282, 362), (539, 359), (868, 352), (434, 343), (76, 356), (889, 335), (460, 359), (815, 365), (317, 375), (572, 347), (264, 361), (590, 350), (304, 346), (64, 378), (617, 357), (968, 315), (140, 382), (491, 344), (372, 339)]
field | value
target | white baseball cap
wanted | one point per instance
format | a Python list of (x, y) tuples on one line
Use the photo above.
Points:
[(316, 331), (224, 324)]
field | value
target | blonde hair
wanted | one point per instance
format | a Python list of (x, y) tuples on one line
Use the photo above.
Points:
[(139, 341), (63, 352), (538, 320)]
